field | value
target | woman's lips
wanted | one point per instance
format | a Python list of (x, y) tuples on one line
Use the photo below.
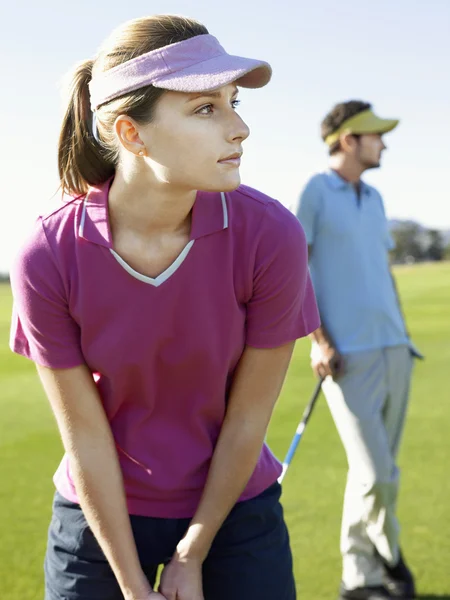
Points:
[(235, 162), (233, 159)]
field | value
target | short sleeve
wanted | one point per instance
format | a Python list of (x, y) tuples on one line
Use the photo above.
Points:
[(388, 239), (283, 306), (308, 209), (390, 242), (42, 328)]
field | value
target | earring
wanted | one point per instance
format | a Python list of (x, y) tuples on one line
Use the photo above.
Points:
[(141, 153)]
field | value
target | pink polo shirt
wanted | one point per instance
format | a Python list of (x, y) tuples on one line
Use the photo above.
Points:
[(163, 351)]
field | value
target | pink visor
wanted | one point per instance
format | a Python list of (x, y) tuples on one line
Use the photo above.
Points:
[(198, 64)]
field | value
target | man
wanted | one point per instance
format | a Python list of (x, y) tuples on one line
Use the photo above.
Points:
[(362, 348)]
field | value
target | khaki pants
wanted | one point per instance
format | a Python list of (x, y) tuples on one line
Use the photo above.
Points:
[(368, 404)]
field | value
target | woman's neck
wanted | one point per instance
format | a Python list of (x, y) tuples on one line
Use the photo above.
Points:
[(149, 206)]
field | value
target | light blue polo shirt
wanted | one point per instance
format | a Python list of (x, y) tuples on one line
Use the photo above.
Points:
[(349, 263)]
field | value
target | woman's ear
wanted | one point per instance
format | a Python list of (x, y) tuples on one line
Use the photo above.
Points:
[(128, 135)]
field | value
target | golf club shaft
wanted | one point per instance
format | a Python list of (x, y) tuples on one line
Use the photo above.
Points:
[(300, 429)]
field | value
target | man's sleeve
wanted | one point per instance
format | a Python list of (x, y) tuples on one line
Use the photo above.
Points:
[(388, 239), (308, 209)]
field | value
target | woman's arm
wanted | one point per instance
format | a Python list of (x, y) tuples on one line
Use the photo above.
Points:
[(89, 443), (256, 386)]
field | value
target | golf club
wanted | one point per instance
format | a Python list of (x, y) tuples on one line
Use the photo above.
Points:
[(300, 429)]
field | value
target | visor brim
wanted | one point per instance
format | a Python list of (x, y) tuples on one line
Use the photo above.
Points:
[(376, 125), (216, 72)]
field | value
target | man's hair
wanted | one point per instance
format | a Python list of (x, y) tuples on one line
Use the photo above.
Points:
[(337, 115)]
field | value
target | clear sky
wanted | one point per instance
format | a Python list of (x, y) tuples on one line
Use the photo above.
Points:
[(393, 53)]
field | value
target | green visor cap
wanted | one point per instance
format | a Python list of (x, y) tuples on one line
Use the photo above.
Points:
[(363, 122)]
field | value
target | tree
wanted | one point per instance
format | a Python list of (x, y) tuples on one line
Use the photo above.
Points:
[(446, 255), (409, 242), (414, 243), (435, 250)]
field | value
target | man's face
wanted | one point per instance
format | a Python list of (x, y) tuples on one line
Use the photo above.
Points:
[(368, 150)]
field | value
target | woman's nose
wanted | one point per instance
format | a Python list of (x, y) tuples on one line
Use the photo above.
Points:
[(239, 130)]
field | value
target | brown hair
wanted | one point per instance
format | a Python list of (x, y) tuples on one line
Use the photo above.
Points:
[(338, 114), (82, 160)]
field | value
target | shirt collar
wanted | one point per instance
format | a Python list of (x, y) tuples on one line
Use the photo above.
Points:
[(209, 215), (336, 182), (94, 221)]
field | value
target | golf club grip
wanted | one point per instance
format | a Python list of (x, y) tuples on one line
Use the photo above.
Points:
[(310, 406)]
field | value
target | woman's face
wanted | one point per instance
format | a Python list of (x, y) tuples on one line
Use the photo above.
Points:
[(191, 137)]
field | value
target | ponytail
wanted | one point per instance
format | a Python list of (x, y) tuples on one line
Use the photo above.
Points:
[(82, 160)]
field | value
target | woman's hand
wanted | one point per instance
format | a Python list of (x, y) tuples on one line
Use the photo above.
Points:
[(150, 596), (181, 579), (144, 595)]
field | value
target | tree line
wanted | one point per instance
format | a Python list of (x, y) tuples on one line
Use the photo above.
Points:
[(415, 243)]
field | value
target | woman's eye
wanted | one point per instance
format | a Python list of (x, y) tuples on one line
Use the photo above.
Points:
[(208, 109), (205, 110)]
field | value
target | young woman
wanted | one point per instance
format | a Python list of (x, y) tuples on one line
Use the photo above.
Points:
[(162, 320)]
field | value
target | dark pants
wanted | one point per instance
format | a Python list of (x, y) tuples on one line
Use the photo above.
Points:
[(250, 558)]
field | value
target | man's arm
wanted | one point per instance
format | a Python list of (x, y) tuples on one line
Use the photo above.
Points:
[(399, 303), (328, 361)]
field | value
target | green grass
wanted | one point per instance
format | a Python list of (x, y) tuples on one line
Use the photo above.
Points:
[(30, 451)]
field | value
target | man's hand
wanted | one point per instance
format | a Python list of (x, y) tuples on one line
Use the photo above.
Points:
[(327, 362), (181, 579)]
